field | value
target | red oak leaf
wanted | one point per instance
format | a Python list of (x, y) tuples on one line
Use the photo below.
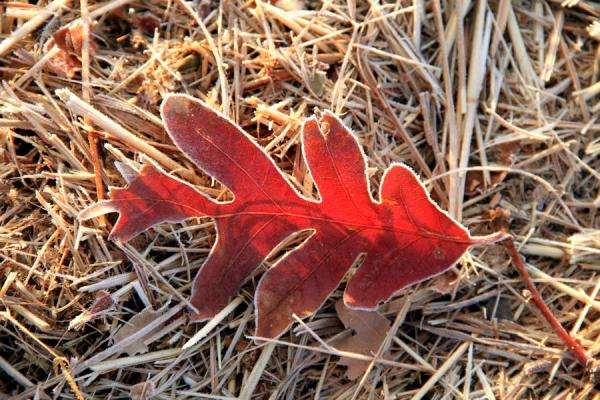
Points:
[(404, 236)]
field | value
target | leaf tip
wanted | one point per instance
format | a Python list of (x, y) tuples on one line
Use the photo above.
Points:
[(175, 105), (490, 239), (127, 171)]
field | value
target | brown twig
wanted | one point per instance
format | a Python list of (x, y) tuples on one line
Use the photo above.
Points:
[(96, 165), (572, 343), (87, 94)]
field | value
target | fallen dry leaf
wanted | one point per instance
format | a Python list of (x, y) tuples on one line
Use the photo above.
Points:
[(103, 302), (147, 23), (142, 390), (504, 154), (132, 326), (445, 283), (69, 40), (370, 329)]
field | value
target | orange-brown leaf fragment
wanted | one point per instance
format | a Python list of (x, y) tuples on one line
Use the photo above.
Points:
[(445, 283), (147, 22), (103, 302), (69, 40), (370, 329), (142, 391), (504, 154), (136, 323)]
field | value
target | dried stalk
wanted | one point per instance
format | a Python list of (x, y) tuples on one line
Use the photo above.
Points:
[(571, 343)]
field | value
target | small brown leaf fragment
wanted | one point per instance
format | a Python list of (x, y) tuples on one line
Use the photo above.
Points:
[(142, 390), (475, 181), (132, 326), (69, 40), (504, 154), (500, 219), (204, 8), (103, 302), (147, 23), (370, 329), (446, 283)]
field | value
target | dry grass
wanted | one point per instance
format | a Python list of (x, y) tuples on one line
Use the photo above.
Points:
[(441, 86)]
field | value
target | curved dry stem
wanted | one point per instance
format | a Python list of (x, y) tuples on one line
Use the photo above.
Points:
[(571, 343), (491, 239)]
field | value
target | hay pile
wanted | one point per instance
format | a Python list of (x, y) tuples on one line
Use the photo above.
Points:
[(493, 103)]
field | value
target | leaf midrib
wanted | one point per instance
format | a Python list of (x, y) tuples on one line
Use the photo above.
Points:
[(422, 232)]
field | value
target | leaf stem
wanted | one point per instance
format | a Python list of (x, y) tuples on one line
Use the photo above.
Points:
[(490, 239), (572, 344)]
